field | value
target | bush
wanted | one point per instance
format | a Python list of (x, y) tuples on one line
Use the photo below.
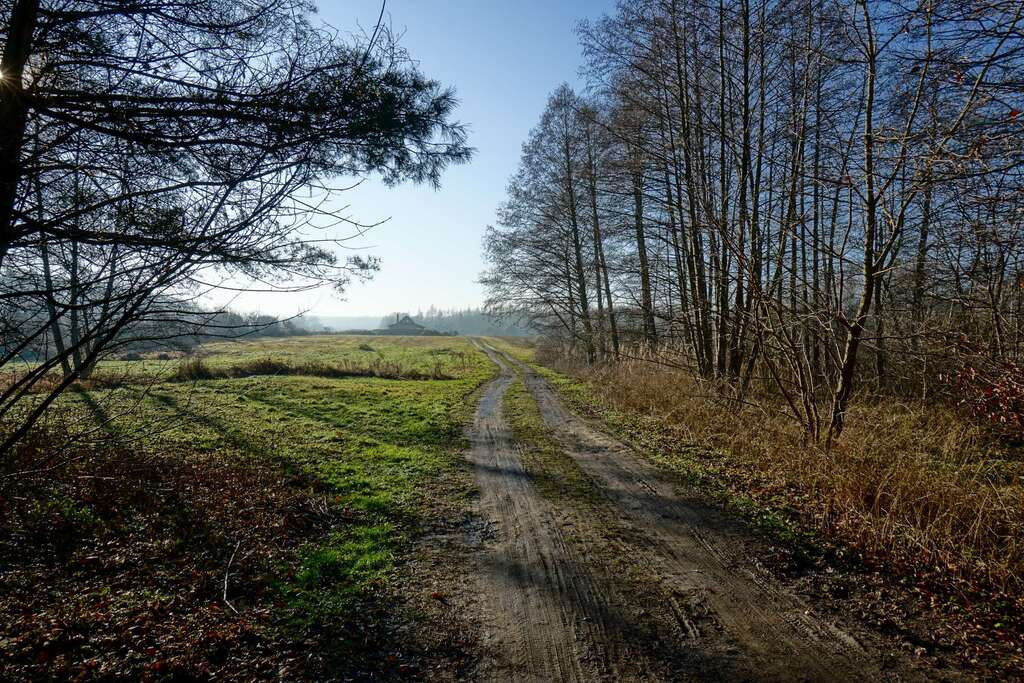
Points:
[(993, 393), (193, 369)]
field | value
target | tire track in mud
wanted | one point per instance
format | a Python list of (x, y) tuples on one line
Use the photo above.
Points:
[(700, 553), (547, 615)]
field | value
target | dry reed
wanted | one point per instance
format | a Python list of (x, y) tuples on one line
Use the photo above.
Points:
[(909, 484)]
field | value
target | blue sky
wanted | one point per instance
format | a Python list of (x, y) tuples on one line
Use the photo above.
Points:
[(504, 57)]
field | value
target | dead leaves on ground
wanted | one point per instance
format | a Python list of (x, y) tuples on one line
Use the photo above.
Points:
[(112, 566)]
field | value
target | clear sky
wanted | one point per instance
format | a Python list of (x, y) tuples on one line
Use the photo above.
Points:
[(503, 57)]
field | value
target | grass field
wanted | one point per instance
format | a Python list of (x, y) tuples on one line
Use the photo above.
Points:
[(293, 495), (286, 508)]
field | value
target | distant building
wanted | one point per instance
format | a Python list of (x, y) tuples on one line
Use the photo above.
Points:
[(405, 325)]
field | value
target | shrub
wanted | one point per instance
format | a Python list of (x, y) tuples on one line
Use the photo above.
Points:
[(193, 369), (992, 392)]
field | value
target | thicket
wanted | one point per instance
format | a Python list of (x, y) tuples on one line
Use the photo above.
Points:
[(788, 235), (810, 198)]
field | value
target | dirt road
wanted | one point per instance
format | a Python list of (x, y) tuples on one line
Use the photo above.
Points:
[(554, 608)]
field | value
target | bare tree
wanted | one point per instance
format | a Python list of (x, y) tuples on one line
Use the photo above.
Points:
[(808, 198)]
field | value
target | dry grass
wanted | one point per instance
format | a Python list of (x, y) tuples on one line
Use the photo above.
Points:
[(52, 380), (911, 485)]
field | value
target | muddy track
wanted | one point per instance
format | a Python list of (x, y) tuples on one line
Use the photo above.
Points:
[(547, 617), (557, 617)]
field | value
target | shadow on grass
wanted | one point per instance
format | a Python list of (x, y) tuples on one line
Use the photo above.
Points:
[(227, 431), (96, 409)]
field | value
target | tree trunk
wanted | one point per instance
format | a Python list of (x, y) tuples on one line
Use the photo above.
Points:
[(13, 112), (650, 331), (581, 278), (855, 328)]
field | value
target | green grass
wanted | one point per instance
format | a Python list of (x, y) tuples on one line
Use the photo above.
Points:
[(556, 475), (455, 355), (373, 444), (427, 356)]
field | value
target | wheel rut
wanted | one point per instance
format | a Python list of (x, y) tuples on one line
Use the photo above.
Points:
[(548, 616), (555, 616)]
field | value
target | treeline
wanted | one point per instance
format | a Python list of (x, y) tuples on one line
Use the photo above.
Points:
[(468, 321), (151, 152), (810, 196), (186, 331), (183, 331)]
